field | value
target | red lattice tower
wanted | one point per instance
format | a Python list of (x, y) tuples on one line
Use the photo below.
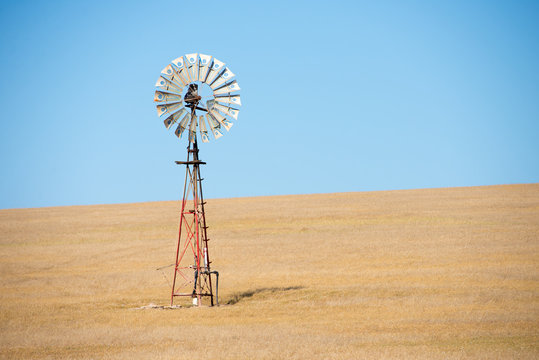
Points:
[(192, 272)]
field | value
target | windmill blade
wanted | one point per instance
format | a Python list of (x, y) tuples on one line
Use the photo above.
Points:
[(210, 104), (166, 84), (193, 129), (205, 61), (216, 133), (215, 126), (233, 112), (215, 69), (178, 62), (213, 106), (232, 99), (184, 75), (216, 115), (170, 90), (174, 80), (182, 125), (166, 98), (221, 119), (184, 71), (227, 110), (171, 120), (168, 70), (192, 59), (227, 88), (185, 120), (180, 69), (168, 108), (227, 124), (176, 75), (211, 75), (203, 129), (222, 78), (169, 73), (164, 90), (217, 65)]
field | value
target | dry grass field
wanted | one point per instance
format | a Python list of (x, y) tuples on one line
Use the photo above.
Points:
[(432, 274)]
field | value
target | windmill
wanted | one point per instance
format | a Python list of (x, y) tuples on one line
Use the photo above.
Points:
[(179, 95)]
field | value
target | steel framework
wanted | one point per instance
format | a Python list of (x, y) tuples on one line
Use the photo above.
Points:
[(192, 273)]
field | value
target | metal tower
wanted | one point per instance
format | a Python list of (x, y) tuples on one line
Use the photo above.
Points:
[(192, 273)]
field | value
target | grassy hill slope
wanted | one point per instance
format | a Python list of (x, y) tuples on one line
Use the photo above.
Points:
[(433, 273)]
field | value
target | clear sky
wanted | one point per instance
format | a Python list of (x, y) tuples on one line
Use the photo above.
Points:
[(337, 96)]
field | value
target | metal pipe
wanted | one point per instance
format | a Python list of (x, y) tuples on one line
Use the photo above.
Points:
[(216, 286)]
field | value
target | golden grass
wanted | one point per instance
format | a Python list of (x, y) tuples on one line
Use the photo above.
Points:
[(433, 274)]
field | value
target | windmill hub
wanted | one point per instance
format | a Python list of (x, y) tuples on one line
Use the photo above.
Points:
[(192, 97)]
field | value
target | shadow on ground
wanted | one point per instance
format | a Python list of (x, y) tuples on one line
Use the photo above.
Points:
[(237, 297)]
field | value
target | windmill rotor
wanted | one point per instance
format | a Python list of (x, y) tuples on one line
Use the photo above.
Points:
[(178, 97)]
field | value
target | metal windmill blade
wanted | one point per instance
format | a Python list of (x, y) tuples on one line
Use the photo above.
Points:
[(165, 84), (171, 120), (182, 125), (222, 78), (180, 69), (205, 61), (203, 129), (230, 99), (166, 97), (168, 109), (176, 75), (216, 68), (169, 73), (227, 88), (215, 127), (220, 118), (192, 59), (227, 110)]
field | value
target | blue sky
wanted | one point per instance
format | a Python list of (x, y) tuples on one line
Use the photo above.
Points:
[(337, 96)]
